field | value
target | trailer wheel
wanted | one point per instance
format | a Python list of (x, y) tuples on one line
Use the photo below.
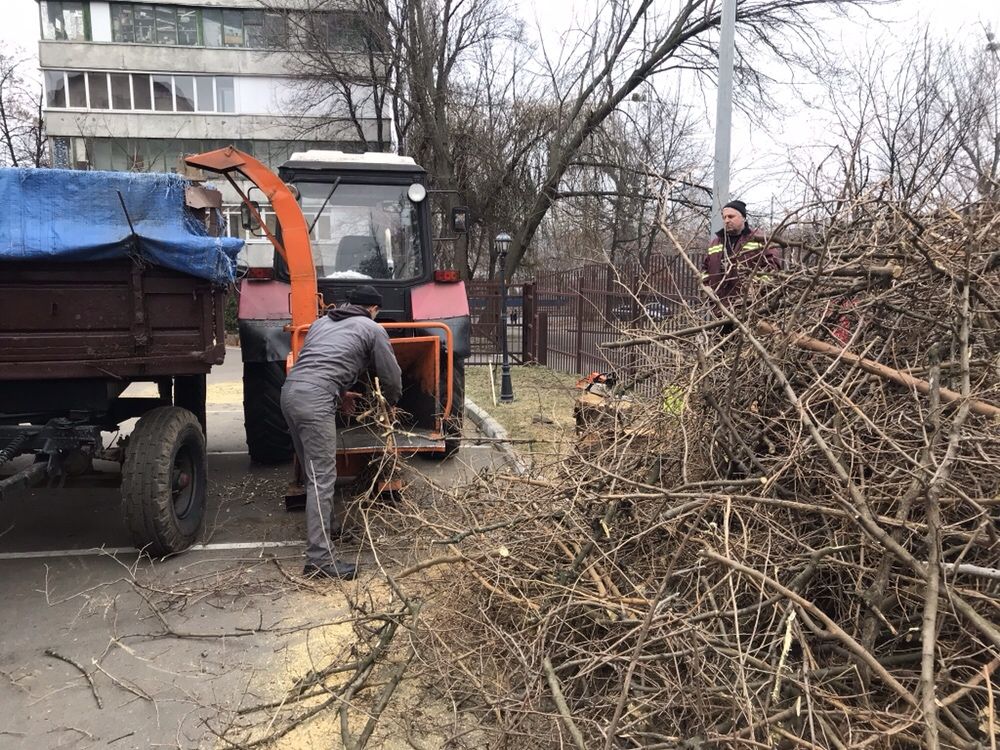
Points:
[(268, 440), (164, 481)]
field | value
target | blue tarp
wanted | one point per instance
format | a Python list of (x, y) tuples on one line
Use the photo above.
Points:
[(67, 215)]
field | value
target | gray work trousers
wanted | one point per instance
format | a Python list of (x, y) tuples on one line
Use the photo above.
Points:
[(311, 415)]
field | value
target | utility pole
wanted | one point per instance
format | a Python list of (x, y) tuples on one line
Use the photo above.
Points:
[(724, 112)]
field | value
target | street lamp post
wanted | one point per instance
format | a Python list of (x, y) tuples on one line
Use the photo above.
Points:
[(724, 112), (503, 241)]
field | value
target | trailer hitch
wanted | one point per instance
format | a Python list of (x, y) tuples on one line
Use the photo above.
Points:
[(62, 447)]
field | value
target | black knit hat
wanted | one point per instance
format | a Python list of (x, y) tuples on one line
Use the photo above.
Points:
[(364, 296), (739, 206)]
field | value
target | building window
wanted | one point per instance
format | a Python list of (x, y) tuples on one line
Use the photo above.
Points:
[(153, 153), (163, 93), (67, 21), (144, 154), (166, 24), (153, 23), (206, 93), (55, 88), (187, 26), (232, 28), (77, 89), (121, 91), (145, 24), (225, 89), (139, 91), (122, 23), (100, 154), (253, 25), (211, 20), (184, 93), (275, 30), (345, 32), (97, 84)]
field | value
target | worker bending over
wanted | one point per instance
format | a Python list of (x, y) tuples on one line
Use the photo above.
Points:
[(339, 348)]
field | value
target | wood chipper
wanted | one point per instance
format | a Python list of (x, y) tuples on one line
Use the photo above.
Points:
[(337, 221)]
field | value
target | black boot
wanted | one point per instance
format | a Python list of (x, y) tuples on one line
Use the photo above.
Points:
[(336, 569)]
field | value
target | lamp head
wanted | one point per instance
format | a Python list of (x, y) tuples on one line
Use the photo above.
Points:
[(502, 242)]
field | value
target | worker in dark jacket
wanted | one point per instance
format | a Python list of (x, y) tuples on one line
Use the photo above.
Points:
[(736, 253), (339, 348)]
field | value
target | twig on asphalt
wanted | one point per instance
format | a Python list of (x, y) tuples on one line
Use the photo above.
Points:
[(90, 680)]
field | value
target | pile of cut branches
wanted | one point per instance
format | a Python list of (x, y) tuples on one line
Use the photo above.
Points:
[(804, 554)]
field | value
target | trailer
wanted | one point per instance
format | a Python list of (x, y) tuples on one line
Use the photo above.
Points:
[(108, 280)]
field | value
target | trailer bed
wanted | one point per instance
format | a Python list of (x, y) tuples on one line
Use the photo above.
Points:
[(113, 319)]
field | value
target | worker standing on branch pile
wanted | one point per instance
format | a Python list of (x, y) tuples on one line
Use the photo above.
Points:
[(736, 253), (339, 348)]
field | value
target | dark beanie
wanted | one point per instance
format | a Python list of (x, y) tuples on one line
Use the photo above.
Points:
[(364, 296), (739, 206)]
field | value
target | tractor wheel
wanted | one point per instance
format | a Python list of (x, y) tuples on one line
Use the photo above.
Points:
[(164, 482), (268, 440)]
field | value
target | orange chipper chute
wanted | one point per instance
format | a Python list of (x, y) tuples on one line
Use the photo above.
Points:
[(295, 249)]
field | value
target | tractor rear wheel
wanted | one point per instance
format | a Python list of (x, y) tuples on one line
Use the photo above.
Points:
[(164, 481), (268, 439)]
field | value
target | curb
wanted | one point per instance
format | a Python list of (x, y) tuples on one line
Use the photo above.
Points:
[(487, 425)]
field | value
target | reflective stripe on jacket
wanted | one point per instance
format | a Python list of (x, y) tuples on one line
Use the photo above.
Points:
[(724, 269)]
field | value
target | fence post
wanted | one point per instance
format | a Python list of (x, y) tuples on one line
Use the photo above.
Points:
[(542, 338), (528, 353), (579, 324)]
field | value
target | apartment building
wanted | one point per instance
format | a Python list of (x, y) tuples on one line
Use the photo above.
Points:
[(134, 86)]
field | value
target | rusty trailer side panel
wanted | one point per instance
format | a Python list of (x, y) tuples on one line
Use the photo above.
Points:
[(114, 319)]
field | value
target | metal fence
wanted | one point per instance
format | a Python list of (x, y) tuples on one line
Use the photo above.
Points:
[(485, 298), (561, 318), (578, 310)]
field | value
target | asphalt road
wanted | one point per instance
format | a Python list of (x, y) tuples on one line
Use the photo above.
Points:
[(172, 647)]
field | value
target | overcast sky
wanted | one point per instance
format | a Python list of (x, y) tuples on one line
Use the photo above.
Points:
[(755, 147)]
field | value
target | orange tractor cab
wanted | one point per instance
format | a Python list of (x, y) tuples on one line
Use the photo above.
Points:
[(338, 221)]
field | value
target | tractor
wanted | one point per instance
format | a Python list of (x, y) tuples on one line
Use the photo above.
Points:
[(337, 221)]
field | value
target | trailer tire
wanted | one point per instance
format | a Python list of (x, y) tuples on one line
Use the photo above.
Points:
[(164, 481), (268, 439)]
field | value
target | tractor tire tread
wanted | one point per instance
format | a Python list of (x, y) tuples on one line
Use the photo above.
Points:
[(267, 436)]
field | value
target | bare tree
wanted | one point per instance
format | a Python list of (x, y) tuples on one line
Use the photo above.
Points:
[(915, 126), (414, 63), (22, 130), (628, 44), (977, 112), (611, 190)]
